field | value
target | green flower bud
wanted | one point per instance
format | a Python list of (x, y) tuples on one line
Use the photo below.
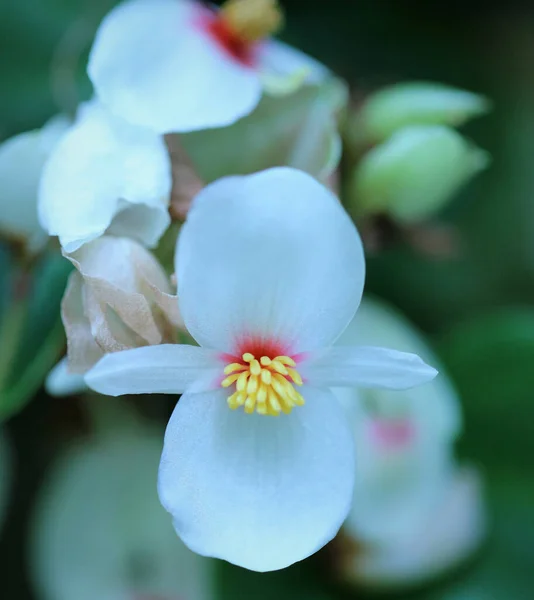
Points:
[(412, 175), (414, 103)]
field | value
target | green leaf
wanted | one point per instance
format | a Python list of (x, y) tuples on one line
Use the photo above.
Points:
[(298, 129), (31, 330), (491, 360)]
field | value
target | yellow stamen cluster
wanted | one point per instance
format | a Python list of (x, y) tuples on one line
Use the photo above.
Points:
[(252, 20), (265, 385)]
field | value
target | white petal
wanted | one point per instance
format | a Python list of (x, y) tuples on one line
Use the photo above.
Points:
[(379, 324), (164, 369), (284, 68), (21, 162), (61, 382), (153, 65), (270, 255), (368, 366), (106, 174), (260, 492)]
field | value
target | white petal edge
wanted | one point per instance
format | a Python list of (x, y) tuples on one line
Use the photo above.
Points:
[(61, 382), (106, 175), (163, 369), (260, 492), (271, 255), (367, 366), (153, 65)]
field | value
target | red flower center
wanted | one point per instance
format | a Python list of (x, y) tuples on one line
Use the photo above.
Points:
[(234, 46)]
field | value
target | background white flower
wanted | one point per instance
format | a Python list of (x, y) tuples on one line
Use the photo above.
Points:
[(22, 158), (106, 175), (178, 65), (415, 513), (270, 271), (99, 530), (404, 439)]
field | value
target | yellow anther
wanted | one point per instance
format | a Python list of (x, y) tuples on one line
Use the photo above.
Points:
[(264, 385), (286, 360), (242, 381), (252, 386), (266, 377), (229, 380), (255, 368), (278, 367), (232, 368), (295, 376), (252, 20)]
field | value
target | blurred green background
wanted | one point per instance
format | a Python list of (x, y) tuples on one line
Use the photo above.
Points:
[(477, 304)]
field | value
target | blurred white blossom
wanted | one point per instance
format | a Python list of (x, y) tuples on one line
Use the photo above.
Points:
[(414, 513), (99, 531), (106, 175), (183, 65), (22, 158), (270, 271)]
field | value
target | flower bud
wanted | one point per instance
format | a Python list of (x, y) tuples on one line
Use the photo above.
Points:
[(118, 298), (99, 530), (414, 103), (412, 175)]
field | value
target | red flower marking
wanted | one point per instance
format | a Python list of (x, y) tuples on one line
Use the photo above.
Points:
[(258, 346), (220, 32)]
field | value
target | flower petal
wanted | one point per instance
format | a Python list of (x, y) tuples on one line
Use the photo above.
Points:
[(153, 65), (106, 174), (368, 366), (62, 382), (164, 369), (260, 492), (284, 68), (270, 255), (21, 161)]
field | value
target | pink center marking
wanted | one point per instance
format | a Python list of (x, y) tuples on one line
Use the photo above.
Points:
[(392, 434)]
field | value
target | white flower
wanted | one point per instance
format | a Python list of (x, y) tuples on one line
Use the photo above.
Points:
[(99, 531), (270, 271), (404, 440), (106, 175), (181, 65), (21, 161)]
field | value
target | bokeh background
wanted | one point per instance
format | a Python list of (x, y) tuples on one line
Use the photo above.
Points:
[(476, 303)]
